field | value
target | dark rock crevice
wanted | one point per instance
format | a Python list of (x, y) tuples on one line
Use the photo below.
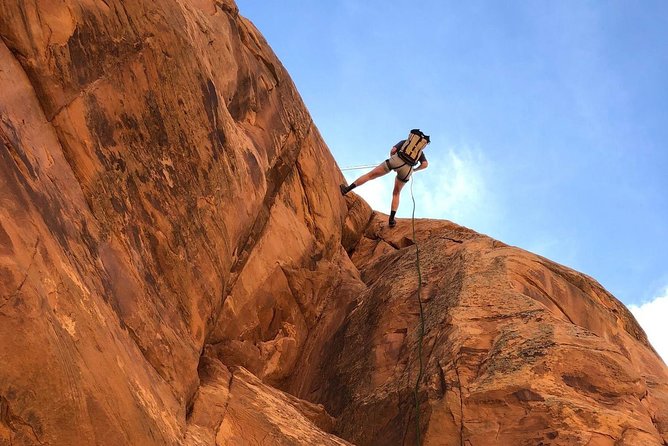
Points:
[(16, 423), (27, 271), (276, 177)]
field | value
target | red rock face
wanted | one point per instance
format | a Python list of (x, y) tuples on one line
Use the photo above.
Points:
[(177, 266)]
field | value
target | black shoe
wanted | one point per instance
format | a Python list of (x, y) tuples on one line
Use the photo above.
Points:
[(392, 222), (343, 188)]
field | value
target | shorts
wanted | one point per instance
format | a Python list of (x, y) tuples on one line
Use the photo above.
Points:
[(401, 167)]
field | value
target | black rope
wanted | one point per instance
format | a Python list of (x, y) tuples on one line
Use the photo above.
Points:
[(421, 328)]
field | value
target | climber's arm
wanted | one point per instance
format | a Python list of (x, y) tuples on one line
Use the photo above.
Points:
[(423, 165)]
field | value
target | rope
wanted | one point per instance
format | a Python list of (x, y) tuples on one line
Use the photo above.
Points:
[(421, 330), (419, 295), (366, 166)]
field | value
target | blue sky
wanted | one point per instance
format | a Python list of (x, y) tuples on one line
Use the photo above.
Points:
[(549, 120)]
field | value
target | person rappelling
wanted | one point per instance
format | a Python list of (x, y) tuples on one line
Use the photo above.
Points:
[(404, 156)]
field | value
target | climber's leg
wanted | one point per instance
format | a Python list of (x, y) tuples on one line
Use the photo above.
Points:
[(396, 192), (377, 171)]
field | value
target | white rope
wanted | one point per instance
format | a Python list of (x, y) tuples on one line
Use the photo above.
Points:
[(366, 166)]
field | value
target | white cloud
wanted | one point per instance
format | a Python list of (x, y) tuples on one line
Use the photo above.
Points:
[(652, 317), (454, 187)]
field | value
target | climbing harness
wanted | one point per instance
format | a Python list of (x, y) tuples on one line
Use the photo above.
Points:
[(421, 327), (411, 149)]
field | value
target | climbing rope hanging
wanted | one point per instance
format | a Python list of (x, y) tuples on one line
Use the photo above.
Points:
[(421, 327), (419, 297)]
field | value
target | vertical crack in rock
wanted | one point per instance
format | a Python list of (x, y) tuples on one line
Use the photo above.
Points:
[(441, 379), (461, 401), (227, 403), (651, 416), (276, 175), (309, 208), (27, 272)]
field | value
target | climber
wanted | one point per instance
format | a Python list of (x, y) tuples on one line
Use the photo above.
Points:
[(404, 155)]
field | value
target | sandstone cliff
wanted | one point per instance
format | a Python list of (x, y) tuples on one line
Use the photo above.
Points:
[(177, 266)]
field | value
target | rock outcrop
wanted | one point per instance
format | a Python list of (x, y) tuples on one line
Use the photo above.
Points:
[(178, 267), (518, 350)]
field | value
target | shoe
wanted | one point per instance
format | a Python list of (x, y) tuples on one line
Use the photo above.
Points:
[(392, 222), (343, 188)]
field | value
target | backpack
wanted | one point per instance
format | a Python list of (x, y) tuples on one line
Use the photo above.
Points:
[(411, 149)]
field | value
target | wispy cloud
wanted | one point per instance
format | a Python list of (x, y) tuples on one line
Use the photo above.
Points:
[(455, 187), (652, 317)]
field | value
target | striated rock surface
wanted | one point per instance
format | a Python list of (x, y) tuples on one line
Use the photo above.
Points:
[(177, 266)]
